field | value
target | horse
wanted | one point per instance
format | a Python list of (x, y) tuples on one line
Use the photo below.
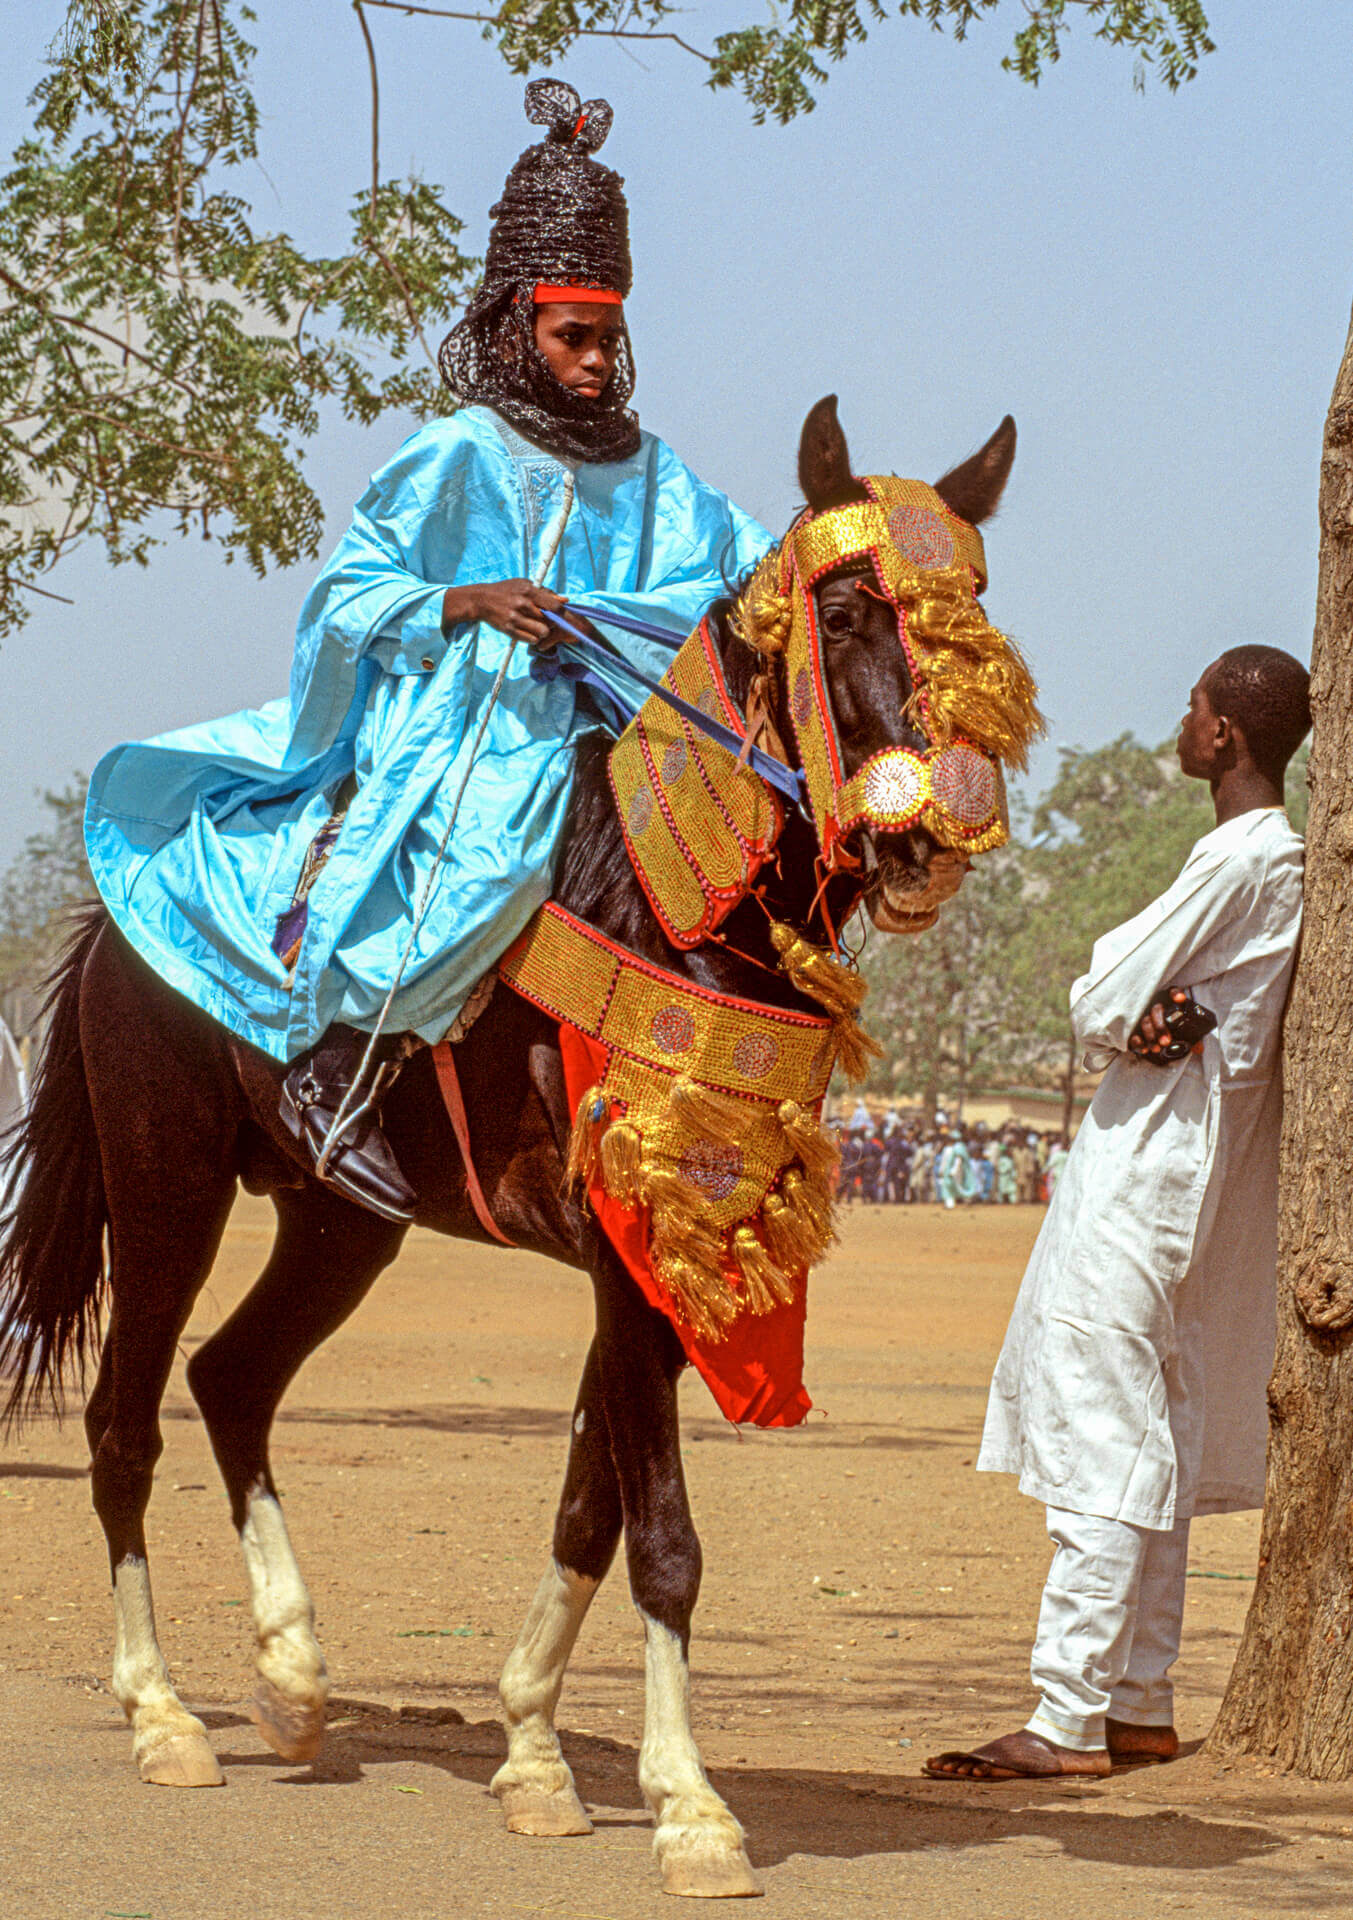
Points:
[(146, 1116)]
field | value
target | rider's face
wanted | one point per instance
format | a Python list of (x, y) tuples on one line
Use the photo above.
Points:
[(581, 345)]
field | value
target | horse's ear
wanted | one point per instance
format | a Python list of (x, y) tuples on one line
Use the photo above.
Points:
[(973, 491), (824, 460)]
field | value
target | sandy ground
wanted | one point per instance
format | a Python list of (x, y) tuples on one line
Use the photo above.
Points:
[(867, 1599)]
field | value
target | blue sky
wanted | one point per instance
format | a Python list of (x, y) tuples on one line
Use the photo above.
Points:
[(1156, 286)]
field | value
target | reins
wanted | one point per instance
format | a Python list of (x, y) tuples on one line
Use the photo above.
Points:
[(607, 663)]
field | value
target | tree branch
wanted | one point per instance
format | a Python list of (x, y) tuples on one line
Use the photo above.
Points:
[(375, 106), (496, 20), (28, 586)]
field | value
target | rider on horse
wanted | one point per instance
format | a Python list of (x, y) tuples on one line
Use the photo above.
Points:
[(271, 865)]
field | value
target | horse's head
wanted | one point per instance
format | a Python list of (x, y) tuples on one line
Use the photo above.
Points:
[(904, 701)]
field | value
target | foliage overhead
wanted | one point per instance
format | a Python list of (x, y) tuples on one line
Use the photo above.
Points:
[(158, 357), (162, 361)]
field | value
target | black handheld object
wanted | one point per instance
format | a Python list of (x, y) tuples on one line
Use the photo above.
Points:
[(1187, 1022)]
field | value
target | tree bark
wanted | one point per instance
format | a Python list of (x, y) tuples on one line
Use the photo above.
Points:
[(1291, 1692)]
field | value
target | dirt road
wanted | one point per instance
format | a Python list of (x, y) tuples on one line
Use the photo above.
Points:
[(867, 1598)]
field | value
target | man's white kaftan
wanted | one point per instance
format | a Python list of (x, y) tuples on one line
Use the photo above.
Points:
[(1132, 1379)]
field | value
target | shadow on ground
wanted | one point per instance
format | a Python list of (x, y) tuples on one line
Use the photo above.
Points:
[(846, 1815)]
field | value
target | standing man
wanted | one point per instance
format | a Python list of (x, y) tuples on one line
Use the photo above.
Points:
[(1130, 1392)]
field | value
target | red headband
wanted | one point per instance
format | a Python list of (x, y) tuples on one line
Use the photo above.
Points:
[(548, 296)]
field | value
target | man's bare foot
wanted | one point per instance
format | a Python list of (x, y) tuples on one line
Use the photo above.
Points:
[(1018, 1756), (1139, 1746)]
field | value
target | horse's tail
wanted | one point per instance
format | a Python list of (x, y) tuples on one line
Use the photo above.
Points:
[(53, 1270)]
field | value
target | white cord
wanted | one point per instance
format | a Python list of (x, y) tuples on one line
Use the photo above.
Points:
[(348, 1114)]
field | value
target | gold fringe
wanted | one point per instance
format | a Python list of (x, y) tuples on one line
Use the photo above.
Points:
[(810, 1140), (766, 1286), (977, 680), (708, 1113), (761, 618), (581, 1168), (705, 1299), (622, 1150)]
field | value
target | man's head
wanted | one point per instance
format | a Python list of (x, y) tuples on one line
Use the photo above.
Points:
[(1252, 707), (559, 246), (581, 344)]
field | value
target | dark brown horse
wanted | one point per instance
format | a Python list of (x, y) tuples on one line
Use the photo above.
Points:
[(146, 1116)]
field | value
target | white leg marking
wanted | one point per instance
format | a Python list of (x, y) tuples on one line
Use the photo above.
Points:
[(293, 1683), (697, 1841), (169, 1743), (534, 1784)]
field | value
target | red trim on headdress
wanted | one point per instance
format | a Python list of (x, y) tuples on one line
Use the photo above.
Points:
[(548, 296)]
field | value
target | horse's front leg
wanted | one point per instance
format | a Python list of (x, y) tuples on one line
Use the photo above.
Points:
[(534, 1785), (697, 1841)]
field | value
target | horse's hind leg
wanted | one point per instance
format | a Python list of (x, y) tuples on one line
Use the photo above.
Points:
[(155, 1279), (325, 1258), (697, 1841), (534, 1785)]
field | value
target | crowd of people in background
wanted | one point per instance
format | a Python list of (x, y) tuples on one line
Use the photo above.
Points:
[(891, 1160)]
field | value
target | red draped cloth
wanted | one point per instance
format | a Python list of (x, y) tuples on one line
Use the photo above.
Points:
[(756, 1371)]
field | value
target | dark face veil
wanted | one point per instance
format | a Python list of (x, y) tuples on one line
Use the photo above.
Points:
[(562, 223)]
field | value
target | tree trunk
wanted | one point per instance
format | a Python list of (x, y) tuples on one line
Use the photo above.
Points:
[(1069, 1088), (1291, 1693)]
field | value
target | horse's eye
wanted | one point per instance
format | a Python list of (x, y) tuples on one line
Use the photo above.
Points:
[(836, 622)]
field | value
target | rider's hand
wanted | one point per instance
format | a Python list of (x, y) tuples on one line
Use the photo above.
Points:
[(512, 606)]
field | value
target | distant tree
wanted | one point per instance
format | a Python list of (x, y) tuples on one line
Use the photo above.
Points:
[(49, 876), (1110, 834), (941, 1003), (162, 362)]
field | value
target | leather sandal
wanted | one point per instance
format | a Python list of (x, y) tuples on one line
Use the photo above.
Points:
[(361, 1166)]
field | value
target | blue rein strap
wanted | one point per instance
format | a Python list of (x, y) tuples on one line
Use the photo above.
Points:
[(612, 670)]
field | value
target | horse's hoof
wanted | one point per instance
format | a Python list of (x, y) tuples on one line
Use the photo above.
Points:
[(292, 1728), (186, 1760), (544, 1815), (709, 1873)]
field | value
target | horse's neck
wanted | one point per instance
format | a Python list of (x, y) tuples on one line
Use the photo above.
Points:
[(597, 883)]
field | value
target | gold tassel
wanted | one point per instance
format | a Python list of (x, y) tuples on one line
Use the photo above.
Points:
[(834, 987), (784, 1235), (854, 1049), (813, 971), (766, 1286), (813, 1146), (806, 1223), (709, 1115), (622, 1149), (582, 1146), (762, 616), (703, 1295)]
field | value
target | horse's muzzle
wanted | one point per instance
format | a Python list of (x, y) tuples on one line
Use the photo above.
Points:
[(909, 886)]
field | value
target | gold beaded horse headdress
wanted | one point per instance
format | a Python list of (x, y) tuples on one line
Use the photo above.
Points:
[(974, 699)]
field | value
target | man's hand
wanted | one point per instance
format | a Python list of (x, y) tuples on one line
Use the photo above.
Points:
[(512, 606), (1171, 1027)]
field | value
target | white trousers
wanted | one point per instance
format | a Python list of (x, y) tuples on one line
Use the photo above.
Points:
[(1108, 1628)]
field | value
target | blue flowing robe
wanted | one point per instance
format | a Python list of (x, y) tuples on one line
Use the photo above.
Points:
[(197, 839)]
